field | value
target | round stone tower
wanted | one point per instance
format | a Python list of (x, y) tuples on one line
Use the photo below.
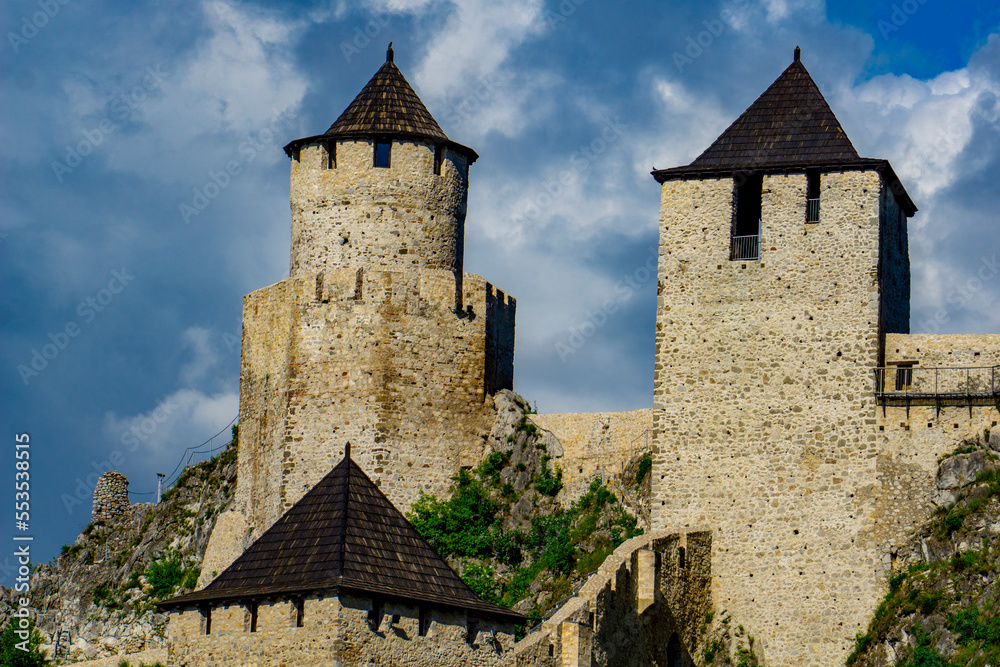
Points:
[(383, 188), (110, 497)]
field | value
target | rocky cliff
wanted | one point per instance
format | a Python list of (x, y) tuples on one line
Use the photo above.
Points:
[(942, 606)]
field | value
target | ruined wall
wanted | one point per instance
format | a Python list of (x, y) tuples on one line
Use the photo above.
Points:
[(377, 358), (355, 215), (913, 439), (594, 441), (644, 605), (764, 416), (110, 497), (334, 631)]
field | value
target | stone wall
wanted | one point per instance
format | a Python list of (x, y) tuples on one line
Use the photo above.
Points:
[(914, 438), (355, 215), (110, 497), (645, 604), (764, 415), (335, 630), (378, 358), (596, 441)]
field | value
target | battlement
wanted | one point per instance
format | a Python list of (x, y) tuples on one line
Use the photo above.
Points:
[(380, 358)]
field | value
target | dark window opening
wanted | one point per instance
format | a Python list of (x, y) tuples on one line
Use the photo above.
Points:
[(395, 619), (300, 612), (904, 378), (471, 631), (812, 196), (746, 216), (207, 619), (295, 154), (375, 616), (423, 622), (552, 650), (253, 617), (438, 158), (680, 557), (674, 653), (331, 154), (383, 152)]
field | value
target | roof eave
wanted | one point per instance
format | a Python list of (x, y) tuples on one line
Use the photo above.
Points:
[(469, 153), (206, 597), (861, 164)]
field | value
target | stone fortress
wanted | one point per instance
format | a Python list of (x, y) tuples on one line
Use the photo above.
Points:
[(796, 424)]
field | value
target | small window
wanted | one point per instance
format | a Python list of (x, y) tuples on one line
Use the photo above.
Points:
[(206, 618), (383, 152), (680, 558), (375, 616), (471, 631), (424, 622), (904, 378), (812, 196), (300, 611), (253, 617), (331, 154), (438, 158), (746, 216)]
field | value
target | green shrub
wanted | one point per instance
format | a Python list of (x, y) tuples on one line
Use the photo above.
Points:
[(546, 483), (11, 644), (645, 465)]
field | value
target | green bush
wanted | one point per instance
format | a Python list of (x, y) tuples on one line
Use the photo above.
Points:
[(645, 465), (546, 483), (11, 645)]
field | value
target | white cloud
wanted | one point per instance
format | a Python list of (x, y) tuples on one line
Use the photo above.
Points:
[(184, 418), (206, 357)]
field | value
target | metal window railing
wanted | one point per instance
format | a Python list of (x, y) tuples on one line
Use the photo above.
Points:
[(745, 247), (916, 382), (812, 210)]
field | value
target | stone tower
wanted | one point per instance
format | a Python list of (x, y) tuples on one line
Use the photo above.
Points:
[(783, 266), (377, 337)]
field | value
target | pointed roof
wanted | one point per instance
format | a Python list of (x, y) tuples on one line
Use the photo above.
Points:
[(387, 107), (343, 534), (788, 128)]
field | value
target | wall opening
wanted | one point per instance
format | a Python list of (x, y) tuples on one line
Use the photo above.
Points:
[(253, 616), (438, 158), (423, 622), (674, 653), (680, 557), (383, 152), (471, 630), (331, 154), (206, 620), (812, 196), (375, 616), (300, 611), (746, 216)]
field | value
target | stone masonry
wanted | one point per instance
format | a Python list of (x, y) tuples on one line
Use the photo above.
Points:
[(765, 416), (377, 337), (110, 497), (332, 630)]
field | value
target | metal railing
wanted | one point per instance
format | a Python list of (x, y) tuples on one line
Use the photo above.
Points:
[(745, 247), (812, 210), (906, 382)]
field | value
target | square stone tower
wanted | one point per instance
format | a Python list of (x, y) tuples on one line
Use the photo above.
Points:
[(377, 337), (783, 265)]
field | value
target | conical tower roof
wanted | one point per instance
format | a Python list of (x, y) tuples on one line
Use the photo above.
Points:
[(387, 107), (790, 127), (343, 534)]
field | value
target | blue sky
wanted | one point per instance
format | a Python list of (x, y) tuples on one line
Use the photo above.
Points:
[(117, 113)]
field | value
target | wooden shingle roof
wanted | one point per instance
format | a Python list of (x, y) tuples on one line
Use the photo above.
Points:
[(344, 534), (387, 107), (790, 127)]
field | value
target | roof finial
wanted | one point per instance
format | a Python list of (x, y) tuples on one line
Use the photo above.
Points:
[(798, 53), (388, 53), (347, 450)]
